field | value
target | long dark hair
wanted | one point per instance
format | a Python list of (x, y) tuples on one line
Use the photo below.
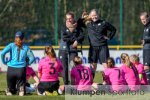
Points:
[(50, 51), (112, 61)]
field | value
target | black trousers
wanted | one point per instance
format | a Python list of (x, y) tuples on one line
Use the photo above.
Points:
[(48, 86), (16, 78), (146, 57), (63, 56), (148, 76), (146, 62)]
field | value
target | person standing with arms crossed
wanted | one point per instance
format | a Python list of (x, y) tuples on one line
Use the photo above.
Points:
[(71, 36), (16, 72), (98, 36), (145, 20)]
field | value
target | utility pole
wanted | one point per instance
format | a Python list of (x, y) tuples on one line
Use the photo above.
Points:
[(56, 21), (121, 22)]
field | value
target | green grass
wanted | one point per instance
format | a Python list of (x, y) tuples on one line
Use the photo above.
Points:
[(34, 96), (97, 79)]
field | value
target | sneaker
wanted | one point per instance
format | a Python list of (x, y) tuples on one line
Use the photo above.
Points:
[(60, 91), (8, 93), (40, 94), (48, 93), (21, 91)]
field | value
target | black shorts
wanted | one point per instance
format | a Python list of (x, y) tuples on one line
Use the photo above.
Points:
[(48, 86), (146, 57), (99, 53)]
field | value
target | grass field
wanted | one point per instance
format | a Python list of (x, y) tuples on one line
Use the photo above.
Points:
[(97, 79), (33, 96)]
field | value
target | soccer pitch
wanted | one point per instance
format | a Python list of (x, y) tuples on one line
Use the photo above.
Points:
[(98, 79), (33, 96)]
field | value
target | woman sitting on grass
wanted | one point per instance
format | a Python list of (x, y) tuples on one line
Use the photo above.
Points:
[(81, 76), (130, 72), (114, 77), (140, 68), (31, 73), (49, 70)]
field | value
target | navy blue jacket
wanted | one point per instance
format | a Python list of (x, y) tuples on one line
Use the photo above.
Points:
[(97, 30), (146, 36), (68, 38)]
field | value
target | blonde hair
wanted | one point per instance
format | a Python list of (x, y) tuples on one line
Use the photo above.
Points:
[(50, 51), (77, 60), (135, 57), (126, 59), (96, 11), (144, 14)]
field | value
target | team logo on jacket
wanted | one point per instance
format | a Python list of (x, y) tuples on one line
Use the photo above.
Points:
[(99, 24), (146, 30), (146, 64)]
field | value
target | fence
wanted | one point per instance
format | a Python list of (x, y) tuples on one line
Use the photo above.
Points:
[(47, 17), (115, 52)]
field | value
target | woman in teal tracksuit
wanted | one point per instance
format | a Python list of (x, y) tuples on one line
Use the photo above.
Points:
[(16, 72)]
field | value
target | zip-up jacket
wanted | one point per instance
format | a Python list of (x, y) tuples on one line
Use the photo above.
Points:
[(17, 55), (68, 38), (146, 36), (98, 30)]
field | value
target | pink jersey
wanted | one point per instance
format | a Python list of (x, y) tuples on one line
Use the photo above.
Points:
[(131, 77), (140, 68), (29, 72), (49, 69), (82, 76), (115, 78)]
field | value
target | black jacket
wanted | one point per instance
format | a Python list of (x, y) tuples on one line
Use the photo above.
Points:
[(146, 36), (68, 38), (97, 30)]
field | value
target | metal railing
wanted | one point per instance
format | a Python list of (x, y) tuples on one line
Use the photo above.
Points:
[(117, 47)]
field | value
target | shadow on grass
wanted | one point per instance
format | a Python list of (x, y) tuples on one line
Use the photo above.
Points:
[(2, 92)]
